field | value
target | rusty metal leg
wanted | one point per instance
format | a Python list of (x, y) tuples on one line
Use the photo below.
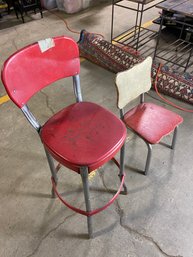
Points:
[(84, 176), (136, 21), (158, 38), (52, 169), (187, 63), (140, 23), (112, 20), (174, 138), (148, 160)]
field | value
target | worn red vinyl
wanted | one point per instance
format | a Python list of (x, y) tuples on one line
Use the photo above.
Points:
[(33, 70), (152, 122), (83, 134)]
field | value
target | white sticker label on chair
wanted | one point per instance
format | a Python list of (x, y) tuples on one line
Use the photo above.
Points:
[(46, 44)]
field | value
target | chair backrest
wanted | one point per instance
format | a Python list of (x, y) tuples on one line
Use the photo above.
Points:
[(133, 82), (38, 65)]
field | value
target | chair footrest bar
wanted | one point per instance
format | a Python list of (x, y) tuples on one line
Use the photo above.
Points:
[(85, 213)]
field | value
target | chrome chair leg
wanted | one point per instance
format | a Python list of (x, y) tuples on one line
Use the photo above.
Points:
[(148, 160), (122, 158), (84, 176), (174, 138), (52, 169)]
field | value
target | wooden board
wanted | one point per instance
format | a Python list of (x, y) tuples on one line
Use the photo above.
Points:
[(186, 8), (169, 5)]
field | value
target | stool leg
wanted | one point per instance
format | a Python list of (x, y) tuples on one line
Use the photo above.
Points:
[(22, 17), (40, 7), (84, 176), (122, 158), (52, 169)]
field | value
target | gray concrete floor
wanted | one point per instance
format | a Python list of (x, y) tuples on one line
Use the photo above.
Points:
[(155, 219)]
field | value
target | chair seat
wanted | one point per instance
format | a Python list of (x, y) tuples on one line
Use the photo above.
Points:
[(152, 122), (75, 145)]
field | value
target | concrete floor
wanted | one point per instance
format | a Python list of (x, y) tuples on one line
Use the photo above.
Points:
[(155, 219)]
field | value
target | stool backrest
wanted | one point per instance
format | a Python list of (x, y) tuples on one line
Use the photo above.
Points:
[(38, 65)]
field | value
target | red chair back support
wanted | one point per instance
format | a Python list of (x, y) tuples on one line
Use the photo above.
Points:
[(30, 70)]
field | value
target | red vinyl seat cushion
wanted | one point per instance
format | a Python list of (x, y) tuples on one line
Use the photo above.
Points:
[(83, 134), (152, 122)]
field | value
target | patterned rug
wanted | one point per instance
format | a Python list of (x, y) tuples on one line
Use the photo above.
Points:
[(116, 58)]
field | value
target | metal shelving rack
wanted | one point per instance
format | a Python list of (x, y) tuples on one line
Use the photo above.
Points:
[(137, 35), (179, 53)]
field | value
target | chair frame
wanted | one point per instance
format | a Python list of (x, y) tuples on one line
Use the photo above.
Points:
[(149, 146), (83, 170), (21, 7)]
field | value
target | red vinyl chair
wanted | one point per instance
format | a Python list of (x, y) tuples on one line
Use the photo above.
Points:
[(82, 136), (149, 121)]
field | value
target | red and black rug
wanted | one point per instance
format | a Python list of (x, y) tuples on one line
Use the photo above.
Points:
[(116, 58)]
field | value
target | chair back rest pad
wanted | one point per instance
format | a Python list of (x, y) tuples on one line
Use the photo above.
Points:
[(133, 82), (29, 70)]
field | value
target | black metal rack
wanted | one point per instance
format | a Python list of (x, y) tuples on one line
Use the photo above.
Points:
[(137, 35), (179, 53)]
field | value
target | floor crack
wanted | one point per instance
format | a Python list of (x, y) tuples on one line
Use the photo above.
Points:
[(47, 102), (14, 44), (47, 234), (148, 238), (120, 212)]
